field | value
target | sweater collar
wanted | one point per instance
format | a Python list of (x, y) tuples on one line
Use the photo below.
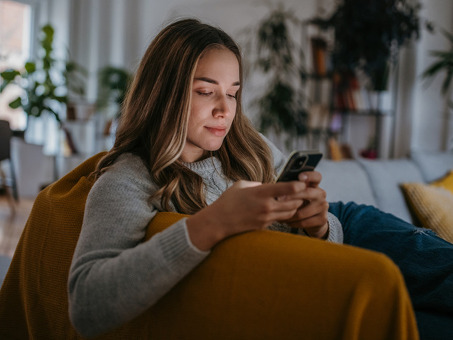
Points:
[(207, 164)]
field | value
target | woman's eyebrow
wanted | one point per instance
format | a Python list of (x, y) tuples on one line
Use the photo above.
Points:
[(212, 81)]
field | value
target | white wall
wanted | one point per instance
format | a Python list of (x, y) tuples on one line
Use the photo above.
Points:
[(117, 32), (431, 128)]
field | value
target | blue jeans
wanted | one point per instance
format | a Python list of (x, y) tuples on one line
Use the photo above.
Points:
[(425, 260)]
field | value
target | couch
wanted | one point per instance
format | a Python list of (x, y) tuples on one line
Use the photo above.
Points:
[(258, 285), (383, 183)]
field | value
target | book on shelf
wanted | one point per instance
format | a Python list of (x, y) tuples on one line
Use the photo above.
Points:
[(319, 55), (349, 93)]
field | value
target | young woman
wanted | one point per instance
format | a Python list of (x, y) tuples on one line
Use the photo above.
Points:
[(184, 145)]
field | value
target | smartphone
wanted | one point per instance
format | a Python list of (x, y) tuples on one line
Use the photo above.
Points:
[(299, 161)]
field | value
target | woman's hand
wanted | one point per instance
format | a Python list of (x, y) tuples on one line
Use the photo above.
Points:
[(312, 215), (244, 207)]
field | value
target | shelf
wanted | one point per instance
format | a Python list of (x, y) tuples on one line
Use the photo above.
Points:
[(365, 113), (314, 76)]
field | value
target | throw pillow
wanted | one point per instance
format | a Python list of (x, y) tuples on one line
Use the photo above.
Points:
[(432, 206), (445, 182)]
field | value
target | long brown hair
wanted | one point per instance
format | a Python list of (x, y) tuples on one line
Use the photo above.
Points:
[(154, 121)]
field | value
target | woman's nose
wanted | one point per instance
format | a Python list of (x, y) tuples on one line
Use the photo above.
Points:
[(221, 107)]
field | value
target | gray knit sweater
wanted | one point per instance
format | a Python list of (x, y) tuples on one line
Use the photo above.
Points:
[(114, 275)]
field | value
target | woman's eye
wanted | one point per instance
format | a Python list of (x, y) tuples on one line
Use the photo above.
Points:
[(232, 95), (204, 93)]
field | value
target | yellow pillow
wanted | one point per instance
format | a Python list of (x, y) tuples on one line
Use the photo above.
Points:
[(446, 182), (433, 207)]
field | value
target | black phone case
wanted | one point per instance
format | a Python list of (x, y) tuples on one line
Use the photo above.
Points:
[(299, 161)]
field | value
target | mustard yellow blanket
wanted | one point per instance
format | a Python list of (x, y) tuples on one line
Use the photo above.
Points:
[(259, 285)]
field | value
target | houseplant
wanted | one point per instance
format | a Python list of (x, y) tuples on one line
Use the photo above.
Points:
[(47, 85), (367, 37), (369, 34), (279, 59), (45, 81), (113, 83), (443, 64)]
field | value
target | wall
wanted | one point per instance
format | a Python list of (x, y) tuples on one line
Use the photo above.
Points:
[(432, 130), (117, 32)]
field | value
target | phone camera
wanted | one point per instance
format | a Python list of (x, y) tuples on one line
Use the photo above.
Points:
[(301, 162)]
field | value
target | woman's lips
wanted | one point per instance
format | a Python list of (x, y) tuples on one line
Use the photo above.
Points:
[(217, 131)]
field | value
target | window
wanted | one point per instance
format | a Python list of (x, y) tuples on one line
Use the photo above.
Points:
[(15, 36)]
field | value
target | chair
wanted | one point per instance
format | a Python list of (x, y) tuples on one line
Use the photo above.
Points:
[(5, 154), (257, 285)]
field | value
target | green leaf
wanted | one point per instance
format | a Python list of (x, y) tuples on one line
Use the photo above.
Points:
[(48, 30), (9, 75), (16, 103), (433, 69), (30, 67), (60, 99), (447, 81), (448, 35), (56, 115)]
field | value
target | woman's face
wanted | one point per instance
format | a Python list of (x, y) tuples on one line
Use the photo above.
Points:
[(215, 85)]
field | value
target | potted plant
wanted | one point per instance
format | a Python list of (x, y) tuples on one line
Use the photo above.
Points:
[(113, 84), (367, 37), (369, 34), (46, 82), (279, 59)]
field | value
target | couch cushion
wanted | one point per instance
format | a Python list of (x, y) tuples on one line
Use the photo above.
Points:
[(385, 178), (432, 207), (345, 181), (445, 182), (433, 165)]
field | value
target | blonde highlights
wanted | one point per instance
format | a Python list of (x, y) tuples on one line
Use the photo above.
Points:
[(156, 112)]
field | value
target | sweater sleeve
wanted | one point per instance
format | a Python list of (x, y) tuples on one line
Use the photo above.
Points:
[(335, 229), (114, 275)]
